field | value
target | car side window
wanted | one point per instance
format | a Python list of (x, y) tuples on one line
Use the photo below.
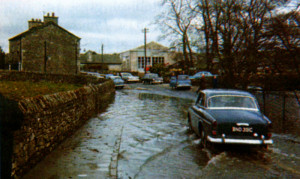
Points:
[(200, 100)]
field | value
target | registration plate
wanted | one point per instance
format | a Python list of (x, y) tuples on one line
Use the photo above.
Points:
[(242, 129)]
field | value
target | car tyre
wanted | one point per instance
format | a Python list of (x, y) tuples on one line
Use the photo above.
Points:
[(264, 147), (190, 129), (203, 142)]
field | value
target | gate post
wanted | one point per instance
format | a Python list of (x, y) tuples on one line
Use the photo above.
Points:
[(264, 101), (283, 111)]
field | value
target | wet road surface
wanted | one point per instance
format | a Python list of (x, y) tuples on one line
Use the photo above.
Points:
[(143, 134)]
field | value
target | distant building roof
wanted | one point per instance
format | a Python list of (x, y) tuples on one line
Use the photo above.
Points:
[(150, 46), (153, 45), (93, 57)]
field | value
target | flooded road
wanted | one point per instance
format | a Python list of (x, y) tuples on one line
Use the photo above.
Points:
[(143, 134)]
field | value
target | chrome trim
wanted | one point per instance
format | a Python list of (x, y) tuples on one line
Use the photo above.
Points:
[(239, 141), (242, 124), (223, 138), (183, 85), (196, 108), (233, 108)]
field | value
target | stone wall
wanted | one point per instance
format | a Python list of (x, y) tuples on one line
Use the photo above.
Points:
[(48, 120), (57, 78)]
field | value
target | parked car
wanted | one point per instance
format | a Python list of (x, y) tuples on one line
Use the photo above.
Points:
[(152, 78), (182, 81), (107, 76), (119, 83), (94, 74), (229, 117), (199, 75), (173, 81), (128, 77)]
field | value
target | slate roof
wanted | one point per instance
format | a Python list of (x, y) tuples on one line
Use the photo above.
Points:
[(152, 45), (97, 58), (35, 29)]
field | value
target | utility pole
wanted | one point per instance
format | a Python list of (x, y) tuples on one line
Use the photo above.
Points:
[(45, 57), (102, 58), (21, 60), (76, 57), (145, 30)]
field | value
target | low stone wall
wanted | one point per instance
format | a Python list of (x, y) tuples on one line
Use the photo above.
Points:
[(49, 119), (57, 78)]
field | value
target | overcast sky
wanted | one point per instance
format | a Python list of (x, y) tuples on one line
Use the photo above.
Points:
[(117, 24)]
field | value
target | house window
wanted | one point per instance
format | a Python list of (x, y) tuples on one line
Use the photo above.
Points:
[(141, 62), (148, 60), (158, 60)]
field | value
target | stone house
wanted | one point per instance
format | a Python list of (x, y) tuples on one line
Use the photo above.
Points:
[(133, 60), (111, 61), (45, 47), (2, 59)]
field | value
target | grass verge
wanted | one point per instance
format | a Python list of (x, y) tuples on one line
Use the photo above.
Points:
[(17, 90)]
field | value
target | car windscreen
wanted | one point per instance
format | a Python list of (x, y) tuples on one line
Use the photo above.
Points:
[(126, 74), (231, 101), (115, 77), (153, 75), (183, 77)]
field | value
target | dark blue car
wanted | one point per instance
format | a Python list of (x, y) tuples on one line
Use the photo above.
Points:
[(229, 117), (119, 83), (182, 81)]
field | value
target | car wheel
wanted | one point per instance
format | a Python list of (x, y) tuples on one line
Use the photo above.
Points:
[(264, 147), (190, 129), (203, 142)]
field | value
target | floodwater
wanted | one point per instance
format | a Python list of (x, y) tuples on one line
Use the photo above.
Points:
[(143, 134)]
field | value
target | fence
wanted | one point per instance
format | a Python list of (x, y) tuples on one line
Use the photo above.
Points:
[(282, 108)]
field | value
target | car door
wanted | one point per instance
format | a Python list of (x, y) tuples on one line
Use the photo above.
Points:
[(196, 112)]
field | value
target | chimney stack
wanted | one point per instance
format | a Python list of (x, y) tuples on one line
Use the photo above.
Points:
[(49, 18), (34, 23), (37, 22)]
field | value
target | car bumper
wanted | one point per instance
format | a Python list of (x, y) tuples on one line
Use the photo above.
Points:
[(157, 82), (133, 80), (239, 141), (183, 86)]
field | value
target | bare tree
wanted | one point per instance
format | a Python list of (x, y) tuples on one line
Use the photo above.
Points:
[(176, 22), (283, 41), (233, 31), (242, 34)]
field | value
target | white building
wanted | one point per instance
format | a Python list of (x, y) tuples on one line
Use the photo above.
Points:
[(133, 60)]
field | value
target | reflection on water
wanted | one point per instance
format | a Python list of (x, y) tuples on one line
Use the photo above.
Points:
[(155, 134), (165, 106)]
